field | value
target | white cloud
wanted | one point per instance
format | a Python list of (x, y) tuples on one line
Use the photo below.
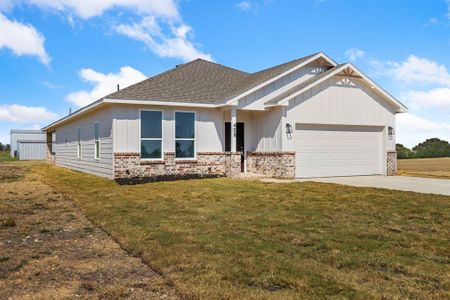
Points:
[(423, 83), (434, 98), (104, 84), (416, 70), (175, 44), (412, 129), (253, 6), (354, 53), (22, 39), (448, 9), (25, 114), (6, 5), (86, 9), (246, 6)]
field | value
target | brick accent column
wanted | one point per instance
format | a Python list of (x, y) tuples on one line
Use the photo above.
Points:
[(391, 163), (232, 164)]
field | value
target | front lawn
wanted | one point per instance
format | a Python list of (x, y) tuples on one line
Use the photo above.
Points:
[(425, 167), (224, 238)]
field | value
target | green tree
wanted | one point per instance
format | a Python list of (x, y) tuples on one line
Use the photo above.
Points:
[(403, 152), (2, 148), (433, 147), (7, 147)]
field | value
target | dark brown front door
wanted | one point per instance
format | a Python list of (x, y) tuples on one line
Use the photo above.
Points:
[(239, 140)]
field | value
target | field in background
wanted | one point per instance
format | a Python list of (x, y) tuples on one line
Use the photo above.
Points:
[(425, 167), (234, 239), (5, 156)]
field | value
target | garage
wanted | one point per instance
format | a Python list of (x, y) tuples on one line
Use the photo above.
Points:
[(337, 150)]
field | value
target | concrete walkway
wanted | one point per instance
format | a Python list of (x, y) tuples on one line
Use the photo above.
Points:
[(402, 183)]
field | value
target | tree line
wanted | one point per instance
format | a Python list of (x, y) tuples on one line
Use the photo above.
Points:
[(433, 147), (4, 147)]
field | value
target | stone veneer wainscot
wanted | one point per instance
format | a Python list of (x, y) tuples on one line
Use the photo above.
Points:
[(207, 164), (274, 164)]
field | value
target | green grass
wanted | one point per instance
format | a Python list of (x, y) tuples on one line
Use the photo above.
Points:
[(235, 239), (5, 156)]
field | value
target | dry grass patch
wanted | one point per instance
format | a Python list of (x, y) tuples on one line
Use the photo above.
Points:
[(425, 167), (223, 238), (49, 250)]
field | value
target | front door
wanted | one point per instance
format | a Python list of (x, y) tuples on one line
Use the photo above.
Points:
[(239, 140)]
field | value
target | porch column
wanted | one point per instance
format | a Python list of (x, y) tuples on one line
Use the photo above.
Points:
[(233, 129)]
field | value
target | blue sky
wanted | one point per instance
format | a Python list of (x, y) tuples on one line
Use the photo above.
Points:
[(56, 54)]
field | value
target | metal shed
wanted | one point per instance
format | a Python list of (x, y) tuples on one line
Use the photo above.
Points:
[(28, 144)]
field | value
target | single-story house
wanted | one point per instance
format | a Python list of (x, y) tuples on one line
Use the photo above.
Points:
[(309, 117), (27, 144)]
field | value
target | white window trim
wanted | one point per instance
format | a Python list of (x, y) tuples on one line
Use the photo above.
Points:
[(151, 139), (184, 139), (97, 153), (79, 144)]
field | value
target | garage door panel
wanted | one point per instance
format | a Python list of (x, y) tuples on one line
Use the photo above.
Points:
[(325, 150)]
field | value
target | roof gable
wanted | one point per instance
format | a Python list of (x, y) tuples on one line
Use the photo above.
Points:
[(282, 99)]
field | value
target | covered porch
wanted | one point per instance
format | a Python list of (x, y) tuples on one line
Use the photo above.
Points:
[(256, 136)]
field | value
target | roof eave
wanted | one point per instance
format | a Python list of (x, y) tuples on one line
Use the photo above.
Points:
[(77, 113), (131, 102)]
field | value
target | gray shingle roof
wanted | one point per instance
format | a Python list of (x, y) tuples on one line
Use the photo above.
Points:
[(200, 81), (303, 85)]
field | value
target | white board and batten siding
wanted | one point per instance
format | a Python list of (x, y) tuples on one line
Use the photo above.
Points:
[(340, 129), (256, 99), (66, 152)]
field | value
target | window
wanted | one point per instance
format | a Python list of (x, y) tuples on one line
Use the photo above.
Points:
[(96, 141), (184, 135), (79, 142), (151, 134)]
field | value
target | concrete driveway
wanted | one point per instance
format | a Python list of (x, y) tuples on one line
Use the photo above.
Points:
[(402, 183)]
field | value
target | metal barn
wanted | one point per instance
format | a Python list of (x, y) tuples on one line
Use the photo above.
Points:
[(28, 144)]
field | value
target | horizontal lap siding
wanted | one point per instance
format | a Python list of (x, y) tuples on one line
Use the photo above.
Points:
[(66, 154)]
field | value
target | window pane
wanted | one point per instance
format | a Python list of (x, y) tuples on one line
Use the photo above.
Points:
[(151, 149), (184, 148), (184, 125), (97, 134), (151, 124), (79, 134)]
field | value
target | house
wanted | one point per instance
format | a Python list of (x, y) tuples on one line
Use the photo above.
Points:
[(309, 117), (28, 144)]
